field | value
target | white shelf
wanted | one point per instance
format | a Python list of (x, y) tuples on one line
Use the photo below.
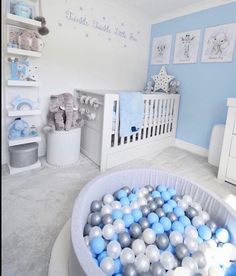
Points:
[(16, 113), (23, 169), (23, 83), (22, 21), (16, 51), (23, 140)]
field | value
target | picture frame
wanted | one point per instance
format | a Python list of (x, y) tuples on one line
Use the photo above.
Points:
[(28, 9), (161, 47)]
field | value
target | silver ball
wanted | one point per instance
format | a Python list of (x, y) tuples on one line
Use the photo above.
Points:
[(135, 230), (107, 219), (191, 212), (162, 241), (212, 225), (126, 189), (87, 228), (157, 269), (177, 198), (152, 205), (160, 212), (96, 206), (181, 251), (144, 223), (159, 201), (172, 216), (96, 219), (200, 259), (149, 188), (124, 239), (130, 270), (149, 198), (145, 210)]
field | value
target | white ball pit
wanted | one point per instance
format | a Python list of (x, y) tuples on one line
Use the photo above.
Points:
[(80, 260)]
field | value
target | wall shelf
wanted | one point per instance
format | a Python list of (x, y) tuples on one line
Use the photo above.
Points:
[(23, 83), (18, 113), (23, 169), (23, 140), (16, 51), (22, 21)]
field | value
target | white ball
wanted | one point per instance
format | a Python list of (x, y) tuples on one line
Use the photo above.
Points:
[(190, 264), (127, 256), (142, 201), (116, 205), (204, 216), (95, 232), (197, 221), (149, 236), (86, 240), (183, 204), (215, 271), (191, 232), (153, 253), (144, 191), (175, 238), (108, 231), (142, 263), (134, 205), (167, 260), (106, 209), (108, 199), (108, 266), (182, 271), (230, 250), (191, 243), (138, 246), (196, 206), (139, 194), (188, 199), (126, 210), (113, 249), (119, 225)]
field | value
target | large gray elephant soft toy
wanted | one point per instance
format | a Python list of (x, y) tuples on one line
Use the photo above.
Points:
[(63, 112)]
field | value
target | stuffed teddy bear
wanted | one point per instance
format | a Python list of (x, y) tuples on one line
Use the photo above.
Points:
[(25, 39), (37, 42), (18, 128)]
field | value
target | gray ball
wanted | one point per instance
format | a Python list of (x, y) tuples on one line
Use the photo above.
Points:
[(107, 219), (145, 210), (181, 251), (159, 201), (87, 228), (126, 189), (130, 270), (172, 216), (191, 212), (96, 219), (176, 197), (146, 274), (200, 259), (96, 206), (115, 195), (144, 223), (160, 212), (149, 188), (135, 230), (152, 205), (157, 269), (212, 225), (162, 241), (124, 239), (149, 198)]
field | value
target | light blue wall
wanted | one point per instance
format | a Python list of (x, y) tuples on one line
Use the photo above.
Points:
[(205, 87)]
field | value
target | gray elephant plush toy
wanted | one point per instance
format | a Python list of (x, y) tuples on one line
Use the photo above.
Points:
[(63, 112)]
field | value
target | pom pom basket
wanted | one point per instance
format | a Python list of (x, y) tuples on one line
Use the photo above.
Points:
[(81, 262)]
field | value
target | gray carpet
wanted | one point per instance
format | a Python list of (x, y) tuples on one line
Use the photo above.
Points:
[(36, 204)]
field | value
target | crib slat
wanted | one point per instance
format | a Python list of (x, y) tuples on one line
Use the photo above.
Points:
[(170, 115), (151, 118), (159, 117), (116, 123), (167, 115), (145, 119)]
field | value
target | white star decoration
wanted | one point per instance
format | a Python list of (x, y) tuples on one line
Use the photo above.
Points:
[(162, 80)]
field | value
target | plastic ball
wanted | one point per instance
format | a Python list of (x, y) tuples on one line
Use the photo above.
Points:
[(196, 206), (145, 210), (113, 249), (96, 219), (139, 194), (204, 232), (116, 205), (215, 270), (149, 188), (87, 228), (128, 220), (212, 225), (121, 194), (177, 198), (97, 245), (187, 198), (157, 269), (135, 230), (126, 189), (108, 231), (101, 256), (118, 266), (108, 199), (137, 214), (185, 221), (124, 201), (138, 246), (106, 209), (107, 219), (127, 256), (161, 188), (200, 259), (149, 236), (107, 265), (160, 212), (172, 203), (142, 263), (167, 208), (167, 260), (152, 253), (130, 270), (119, 225), (183, 204), (132, 197), (171, 216), (156, 194), (191, 212), (204, 215), (181, 251), (190, 264), (152, 205), (165, 195), (182, 271), (171, 191), (124, 239), (96, 206), (166, 223), (159, 201), (152, 217), (134, 204), (144, 191), (197, 221), (126, 209), (162, 241), (191, 244), (177, 226), (175, 238), (191, 232), (142, 201), (149, 198), (222, 235), (95, 232), (178, 211), (158, 228), (86, 240)]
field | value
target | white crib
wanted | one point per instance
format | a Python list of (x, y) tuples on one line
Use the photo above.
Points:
[(100, 140)]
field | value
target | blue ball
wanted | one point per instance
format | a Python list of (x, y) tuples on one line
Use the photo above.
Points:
[(137, 214), (199, 240), (178, 211), (231, 270), (152, 217), (185, 221), (165, 195), (121, 193), (128, 220), (177, 226), (118, 274), (132, 197), (124, 201), (135, 189), (171, 191), (172, 203), (118, 266), (204, 232), (97, 245), (167, 208), (115, 237), (158, 228), (156, 194), (166, 223), (222, 235), (171, 248), (117, 214), (161, 188), (101, 256)]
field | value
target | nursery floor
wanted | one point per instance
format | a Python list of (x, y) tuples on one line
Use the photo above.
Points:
[(36, 205)]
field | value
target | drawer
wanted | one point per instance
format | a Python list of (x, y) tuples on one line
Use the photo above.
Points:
[(233, 146), (231, 169)]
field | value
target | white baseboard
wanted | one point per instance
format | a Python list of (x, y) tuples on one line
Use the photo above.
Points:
[(191, 147)]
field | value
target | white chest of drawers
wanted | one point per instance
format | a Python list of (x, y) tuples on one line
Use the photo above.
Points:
[(227, 167)]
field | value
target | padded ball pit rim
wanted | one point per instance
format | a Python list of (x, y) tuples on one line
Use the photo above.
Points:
[(109, 182)]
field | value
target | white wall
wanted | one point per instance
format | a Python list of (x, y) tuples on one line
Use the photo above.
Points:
[(78, 56)]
